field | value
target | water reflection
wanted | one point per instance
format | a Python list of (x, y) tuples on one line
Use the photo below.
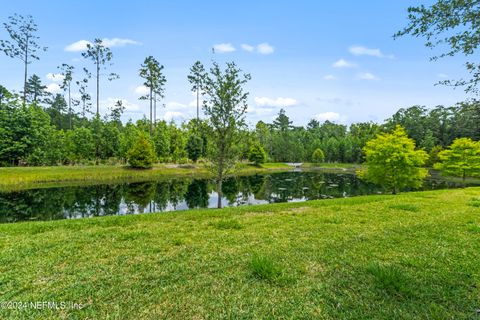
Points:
[(179, 194)]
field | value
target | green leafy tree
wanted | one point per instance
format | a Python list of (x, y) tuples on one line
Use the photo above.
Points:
[(5, 95), (101, 56), (461, 159), (23, 44), (151, 71), (85, 98), (36, 91), (257, 155), (225, 105), (161, 140), (116, 112), (67, 74), (393, 162), (433, 156), (196, 76), (80, 145), (452, 24), (194, 147), (142, 154), (318, 156)]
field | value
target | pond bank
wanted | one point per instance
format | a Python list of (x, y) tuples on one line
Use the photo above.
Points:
[(414, 254)]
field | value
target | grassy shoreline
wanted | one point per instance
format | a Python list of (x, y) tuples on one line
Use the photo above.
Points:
[(411, 256), (19, 178)]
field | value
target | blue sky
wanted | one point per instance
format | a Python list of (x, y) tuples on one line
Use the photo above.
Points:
[(332, 60)]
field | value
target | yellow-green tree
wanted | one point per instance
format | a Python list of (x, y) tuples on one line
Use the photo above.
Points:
[(142, 154), (461, 159), (393, 162)]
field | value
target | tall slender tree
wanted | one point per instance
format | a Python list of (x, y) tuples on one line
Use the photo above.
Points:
[(225, 105), (67, 73), (196, 76), (23, 45), (151, 71), (101, 56), (35, 90), (85, 97)]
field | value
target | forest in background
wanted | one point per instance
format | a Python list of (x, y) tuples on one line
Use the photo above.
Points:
[(46, 132)]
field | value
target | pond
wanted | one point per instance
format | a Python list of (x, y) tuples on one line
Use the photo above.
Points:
[(181, 194)]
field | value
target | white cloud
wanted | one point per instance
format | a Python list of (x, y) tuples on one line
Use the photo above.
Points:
[(329, 77), (260, 112), (367, 76), (364, 51), (442, 75), (129, 107), (55, 77), (81, 45), (173, 115), (248, 47), (265, 48), (223, 48), (330, 116), (278, 102), (53, 88), (142, 90), (118, 42), (342, 63), (173, 105)]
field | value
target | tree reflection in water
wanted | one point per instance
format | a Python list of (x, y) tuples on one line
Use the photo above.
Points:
[(180, 194)]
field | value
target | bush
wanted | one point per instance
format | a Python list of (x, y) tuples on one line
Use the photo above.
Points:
[(318, 156), (257, 155), (142, 154)]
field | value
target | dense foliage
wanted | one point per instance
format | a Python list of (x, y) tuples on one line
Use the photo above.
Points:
[(257, 155), (40, 134), (461, 159), (142, 154), (318, 156), (393, 161)]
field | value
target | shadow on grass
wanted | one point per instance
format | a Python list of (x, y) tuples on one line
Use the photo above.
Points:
[(404, 207)]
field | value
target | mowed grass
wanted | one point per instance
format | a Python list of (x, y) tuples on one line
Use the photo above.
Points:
[(32, 177), (371, 257)]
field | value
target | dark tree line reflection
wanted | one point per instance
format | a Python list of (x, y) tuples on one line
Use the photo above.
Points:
[(178, 194)]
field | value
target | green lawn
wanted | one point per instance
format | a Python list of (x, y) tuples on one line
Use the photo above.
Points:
[(31, 177), (411, 256)]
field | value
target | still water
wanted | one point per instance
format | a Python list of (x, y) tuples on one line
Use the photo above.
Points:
[(181, 194)]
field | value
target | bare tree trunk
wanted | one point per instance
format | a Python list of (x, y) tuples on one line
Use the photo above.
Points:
[(198, 104), (151, 111), (154, 110), (98, 87), (25, 74), (69, 106), (219, 192)]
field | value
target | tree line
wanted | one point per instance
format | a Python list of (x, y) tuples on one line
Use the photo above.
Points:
[(46, 134)]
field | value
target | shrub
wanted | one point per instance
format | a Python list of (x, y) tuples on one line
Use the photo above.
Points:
[(257, 155), (142, 154), (318, 156)]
